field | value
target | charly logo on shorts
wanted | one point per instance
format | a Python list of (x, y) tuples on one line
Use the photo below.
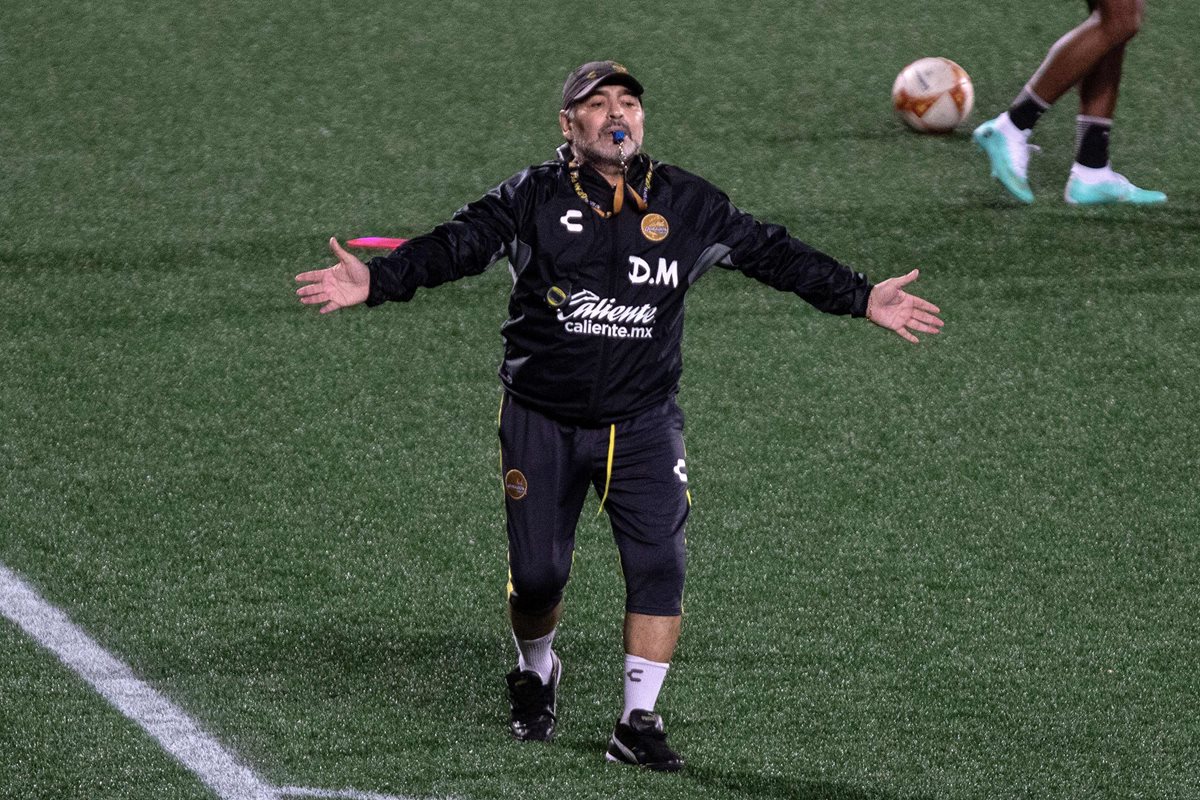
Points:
[(655, 227), (515, 484)]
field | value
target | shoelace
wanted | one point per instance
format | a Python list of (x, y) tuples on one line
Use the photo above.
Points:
[(1125, 186), (1021, 155), (1113, 177)]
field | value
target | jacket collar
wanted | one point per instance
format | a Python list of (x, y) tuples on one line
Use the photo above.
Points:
[(594, 183)]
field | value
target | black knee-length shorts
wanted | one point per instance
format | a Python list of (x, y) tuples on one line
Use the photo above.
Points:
[(638, 469)]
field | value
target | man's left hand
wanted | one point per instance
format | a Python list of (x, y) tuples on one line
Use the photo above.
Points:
[(895, 309)]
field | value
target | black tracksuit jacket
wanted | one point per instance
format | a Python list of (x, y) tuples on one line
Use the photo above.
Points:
[(595, 318)]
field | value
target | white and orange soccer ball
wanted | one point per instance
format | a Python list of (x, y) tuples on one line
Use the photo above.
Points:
[(933, 95)]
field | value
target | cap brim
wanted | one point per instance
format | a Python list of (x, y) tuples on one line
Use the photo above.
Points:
[(620, 78)]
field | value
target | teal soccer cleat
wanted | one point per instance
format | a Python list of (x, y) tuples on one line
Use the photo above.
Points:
[(1110, 187), (1007, 147)]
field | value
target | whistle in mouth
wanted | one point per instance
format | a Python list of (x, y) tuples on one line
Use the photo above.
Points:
[(618, 137)]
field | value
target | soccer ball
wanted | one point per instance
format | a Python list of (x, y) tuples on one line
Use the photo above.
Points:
[(933, 95)]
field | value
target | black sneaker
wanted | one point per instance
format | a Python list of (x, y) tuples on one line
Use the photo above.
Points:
[(533, 703), (643, 743)]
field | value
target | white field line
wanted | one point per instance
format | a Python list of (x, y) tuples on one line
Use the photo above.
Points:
[(178, 733)]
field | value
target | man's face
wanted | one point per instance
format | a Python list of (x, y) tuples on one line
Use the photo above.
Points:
[(590, 124)]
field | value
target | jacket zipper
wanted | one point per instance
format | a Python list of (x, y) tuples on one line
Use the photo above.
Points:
[(605, 341)]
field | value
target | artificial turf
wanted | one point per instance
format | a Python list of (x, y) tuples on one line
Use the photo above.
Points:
[(961, 569)]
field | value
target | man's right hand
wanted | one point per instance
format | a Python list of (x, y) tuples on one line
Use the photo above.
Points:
[(346, 283)]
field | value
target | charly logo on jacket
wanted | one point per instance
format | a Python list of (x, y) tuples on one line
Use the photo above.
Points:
[(655, 227), (515, 484)]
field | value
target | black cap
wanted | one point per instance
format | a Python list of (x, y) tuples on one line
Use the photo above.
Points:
[(585, 78)]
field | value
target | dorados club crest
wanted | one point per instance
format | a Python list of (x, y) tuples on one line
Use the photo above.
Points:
[(655, 227)]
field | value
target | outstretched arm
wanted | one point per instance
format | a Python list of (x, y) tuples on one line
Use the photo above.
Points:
[(895, 309), (346, 283)]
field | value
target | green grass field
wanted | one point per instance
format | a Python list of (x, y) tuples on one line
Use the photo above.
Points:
[(963, 569)]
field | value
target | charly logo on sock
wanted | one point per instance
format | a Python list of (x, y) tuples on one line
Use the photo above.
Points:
[(634, 674)]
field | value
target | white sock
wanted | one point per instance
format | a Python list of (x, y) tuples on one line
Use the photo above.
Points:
[(643, 682), (1010, 130), (534, 655), (1093, 174)]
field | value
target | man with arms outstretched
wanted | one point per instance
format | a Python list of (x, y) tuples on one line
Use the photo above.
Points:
[(603, 243)]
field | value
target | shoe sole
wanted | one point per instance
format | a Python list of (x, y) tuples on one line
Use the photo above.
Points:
[(630, 760), (610, 758), (1109, 201)]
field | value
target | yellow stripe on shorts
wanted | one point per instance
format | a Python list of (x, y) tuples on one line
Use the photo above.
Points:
[(612, 443)]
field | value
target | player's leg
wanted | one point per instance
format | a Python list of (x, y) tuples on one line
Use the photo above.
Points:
[(1005, 139), (1099, 88), (1092, 180), (532, 626), (652, 636), (647, 502), (544, 492), (1072, 58)]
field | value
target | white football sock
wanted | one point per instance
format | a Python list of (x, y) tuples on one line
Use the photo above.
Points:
[(643, 682), (534, 655), (1093, 174), (1010, 130)]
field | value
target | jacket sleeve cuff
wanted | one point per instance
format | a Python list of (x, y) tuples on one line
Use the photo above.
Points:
[(861, 298), (387, 282)]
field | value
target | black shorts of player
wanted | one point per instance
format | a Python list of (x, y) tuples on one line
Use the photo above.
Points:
[(636, 467)]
